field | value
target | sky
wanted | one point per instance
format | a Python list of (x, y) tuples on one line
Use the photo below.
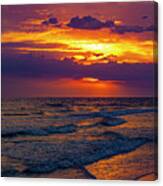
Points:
[(79, 50)]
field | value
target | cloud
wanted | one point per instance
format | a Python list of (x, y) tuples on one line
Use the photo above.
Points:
[(109, 24), (88, 22), (121, 29), (125, 28), (27, 66), (50, 21), (144, 17), (151, 28), (31, 44)]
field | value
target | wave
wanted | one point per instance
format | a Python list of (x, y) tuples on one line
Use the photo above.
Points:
[(14, 132), (16, 114), (105, 114), (43, 157), (109, 122), (132, 111), (55, 104), (107, 119)]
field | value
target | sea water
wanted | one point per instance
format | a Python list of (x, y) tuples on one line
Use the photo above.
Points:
[(97, 138)]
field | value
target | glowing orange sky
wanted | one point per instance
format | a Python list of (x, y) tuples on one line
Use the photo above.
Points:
[(83, 46)]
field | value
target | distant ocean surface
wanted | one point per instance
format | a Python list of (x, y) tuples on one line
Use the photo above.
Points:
[(96, 138)]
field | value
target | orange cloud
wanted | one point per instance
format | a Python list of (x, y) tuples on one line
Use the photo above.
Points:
[(77, 44)]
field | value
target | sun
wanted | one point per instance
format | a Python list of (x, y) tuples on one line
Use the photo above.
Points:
[(90, 79)]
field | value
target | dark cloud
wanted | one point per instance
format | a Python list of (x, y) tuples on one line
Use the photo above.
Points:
[(27, 66), (88, 22), (125, 28), (109, 24), (32, 44), (50, 21), (144, 17), (151, 28), (121, 29)]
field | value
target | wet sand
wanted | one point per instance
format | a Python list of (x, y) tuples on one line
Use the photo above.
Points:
[(133, 165)]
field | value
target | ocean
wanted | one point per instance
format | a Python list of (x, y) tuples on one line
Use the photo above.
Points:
[(84, 138)]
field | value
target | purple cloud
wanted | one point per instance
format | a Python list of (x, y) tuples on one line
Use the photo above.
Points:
[(144, 17), (133, 28), (26, 65), (88, 22), (151, 28), (50, 21), (12, 45), (19, 69)]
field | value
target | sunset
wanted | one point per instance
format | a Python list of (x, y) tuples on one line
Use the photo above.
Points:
[(79, 90), (48, 45)]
